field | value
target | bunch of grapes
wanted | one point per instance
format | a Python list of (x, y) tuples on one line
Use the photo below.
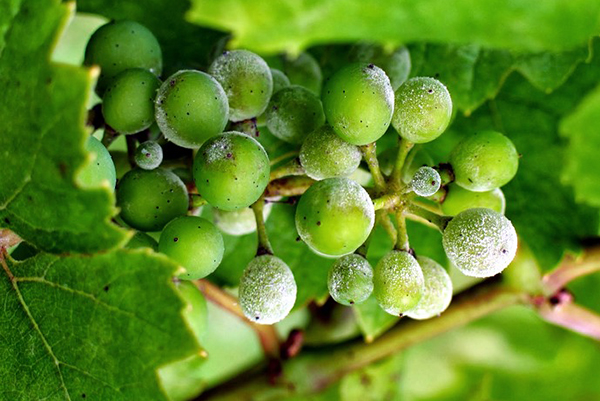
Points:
[(192, 140)]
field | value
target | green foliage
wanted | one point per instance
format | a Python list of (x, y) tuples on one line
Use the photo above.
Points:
[(75, 320)]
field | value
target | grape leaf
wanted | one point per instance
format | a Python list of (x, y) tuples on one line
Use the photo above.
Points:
[(290, 25), (474, 74), (89, 327), (42, 141), (183, 45), (582, 163)]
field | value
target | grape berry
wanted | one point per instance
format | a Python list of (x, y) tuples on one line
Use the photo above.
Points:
[(197, 138)]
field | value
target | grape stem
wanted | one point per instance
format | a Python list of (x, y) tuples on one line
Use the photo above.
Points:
[(369, 152), (109, 136), (293, 167), (197, 201), (266, 334), (572, 268), (440, 221), (402, 238), (385, 222), (388, 201), (288, 186), (404, 147), (264, 246)]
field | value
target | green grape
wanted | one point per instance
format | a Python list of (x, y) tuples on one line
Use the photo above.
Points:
[(247, 81), (423, 109), (350, 280), (437, 292), (149, 199), (280, 80), (458, 199), (293, 113), (304, 71), (484, 161), (426, 181), (119, 46), (193, 242), (335, 216), (142, 240), (191, 107), (101, 170), (398, 282), (239, 222), (267, 290), (359, 101), (480, 242), (128, 103), (231, 171), (148, 155), (396, 63), (325, 155)]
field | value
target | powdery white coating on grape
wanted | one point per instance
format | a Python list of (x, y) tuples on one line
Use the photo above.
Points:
[(423, 109), (328, 205), (437, 292), (239, 222), (426, 181), (267, 290), (398, 282), (149, 155), (480, 242), (325, 155), (350, 280), (247, 81), (218, 149)]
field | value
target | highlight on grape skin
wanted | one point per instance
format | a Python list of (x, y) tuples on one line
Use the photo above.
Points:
[(398, 282), (437, 291), (350, 280), (426, 181), (423, 109), (267, 290), (335, 216), (480, 242)]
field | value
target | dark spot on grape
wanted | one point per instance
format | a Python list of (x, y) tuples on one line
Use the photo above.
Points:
[(433, 183), (297, 239), (229, 155), (148, 155), (304, 217), (106, 288), (256, 317), (188, 113), (504, 251), (172, 83), (430, 91), (6, 220), (318, 223), (83, 395), (157, 207), (343, 91), (175, 239), (351, 302)]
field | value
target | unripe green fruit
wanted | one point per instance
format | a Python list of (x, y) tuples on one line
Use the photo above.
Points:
[(480, 242), (267, 290), (484, 161), (195, 243), (398, 282), (191, 107), (335, 216), (148, 155), (359, 101), (231, 171), (426, 181), (150, 199), (128, 103), (350, 280), (437, 292), (101, 170), (119, 46), (458, 199), (423, 109)]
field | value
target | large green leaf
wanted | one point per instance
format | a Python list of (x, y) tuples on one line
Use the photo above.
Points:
[(42, 141), (183, 44), (291, 25), (89, 327), (582, 163)]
